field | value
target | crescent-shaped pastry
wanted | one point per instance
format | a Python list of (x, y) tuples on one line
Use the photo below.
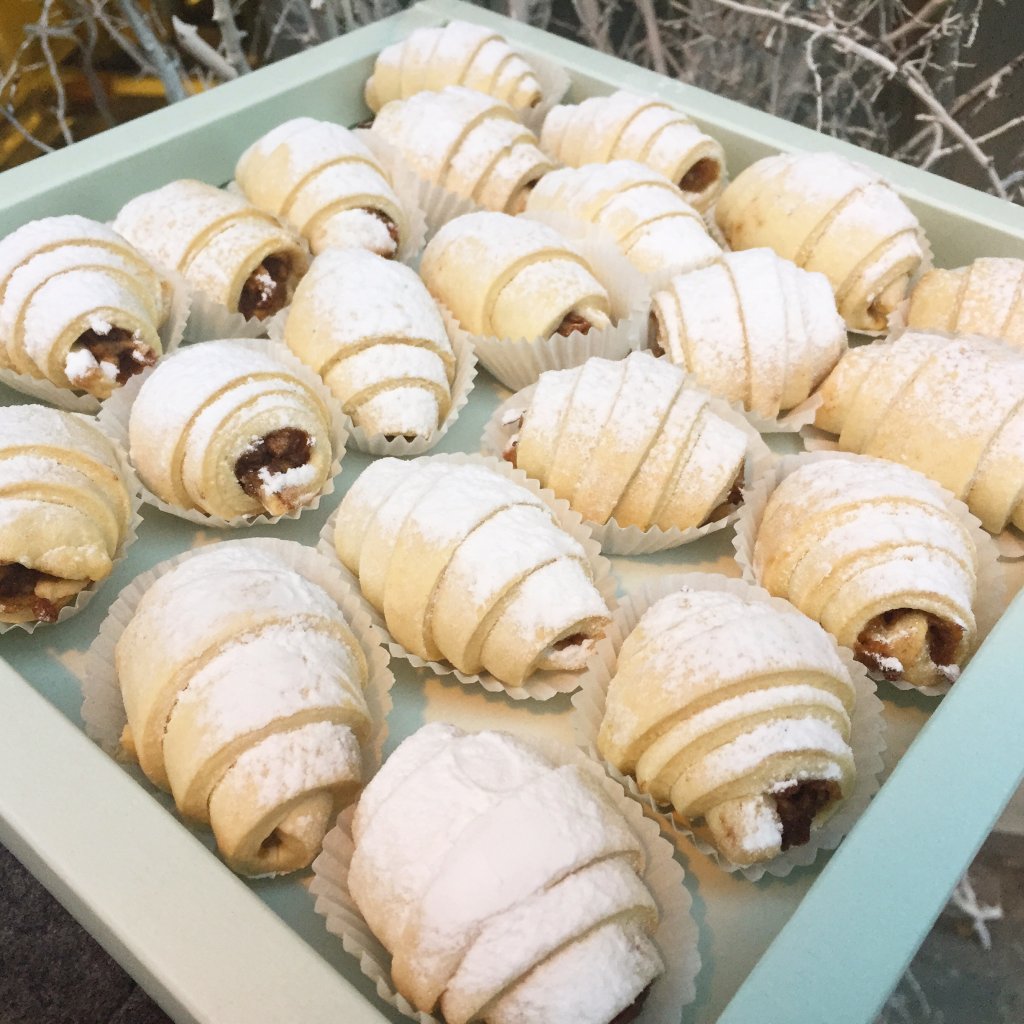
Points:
[(871, 550), (825, 213), (244, 690), (238, 256), (753, 328), (371, 330), (625, 126), (230, 431), (512, 278), (459, 53), (629, 440), (466, 142), (321, 181), (651, 223), (521, 898), (468, 566), (735, 711), (65, 510), (78, 305), (951, 408), (986, 297)]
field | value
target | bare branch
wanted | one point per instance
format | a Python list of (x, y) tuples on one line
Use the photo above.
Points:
[(230, 36), (164, 62), (193, 44)]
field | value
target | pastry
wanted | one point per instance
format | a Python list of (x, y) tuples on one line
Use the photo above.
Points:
[(737, 711), (230, 430), (753, 328), (371, 330), (872, 551), (236, 255), (520, 898), (625, 126), (651, 223), (79, 306), (951, 408), (629, 440), (320, 180), (459, 53), (825, 213), (469, 566), (512, 278), (986, 297), (244, 691), (65, 510), (465, 142)]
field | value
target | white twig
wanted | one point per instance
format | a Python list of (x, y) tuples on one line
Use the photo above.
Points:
[(164, 63), (230, 36), (650, 18), (965, 899), (193, 44)]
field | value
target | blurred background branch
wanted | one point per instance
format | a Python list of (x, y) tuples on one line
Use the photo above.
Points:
[(936, 83)]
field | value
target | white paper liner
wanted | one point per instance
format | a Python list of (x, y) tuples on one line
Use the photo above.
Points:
[(711, 223), (519, 362), (403, 447), (631, 540), (117, 409), (554, 84), (103, 713), (989, 603), (134, 488), (210, 320), (435, 204), (542, 685), (867, 735), (171, 332), (676, 936)]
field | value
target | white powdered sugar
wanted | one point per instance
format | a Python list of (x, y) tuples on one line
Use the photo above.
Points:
[(297, 477)]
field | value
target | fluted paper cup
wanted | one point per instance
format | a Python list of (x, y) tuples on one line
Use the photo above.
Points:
[(991, 590), (676, 936), (542, 685), (867, 736)]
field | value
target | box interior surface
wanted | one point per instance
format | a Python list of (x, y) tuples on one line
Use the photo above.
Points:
[(150, 888)]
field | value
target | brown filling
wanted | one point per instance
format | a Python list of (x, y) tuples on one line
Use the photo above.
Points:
[(278, 452), (876, 646), (798, 805), (633, 1011), (654, 335), (703, 174), (573, 322), (266, 290), (368, 123), (569, 641), (119, 348), (732, 500), (17, 592)]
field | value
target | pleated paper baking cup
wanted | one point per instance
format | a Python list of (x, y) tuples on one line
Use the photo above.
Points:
[(171, 332), (631, 540), (520, 361), (134, 488), (990, 601), (542, 685), (210, 320), (554, 84), (103, 713), (435, 204), (403, 447), (676, 936), (867, 734), (116, 412)]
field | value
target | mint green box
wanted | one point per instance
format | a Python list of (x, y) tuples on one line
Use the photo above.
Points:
[(823, 946)]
